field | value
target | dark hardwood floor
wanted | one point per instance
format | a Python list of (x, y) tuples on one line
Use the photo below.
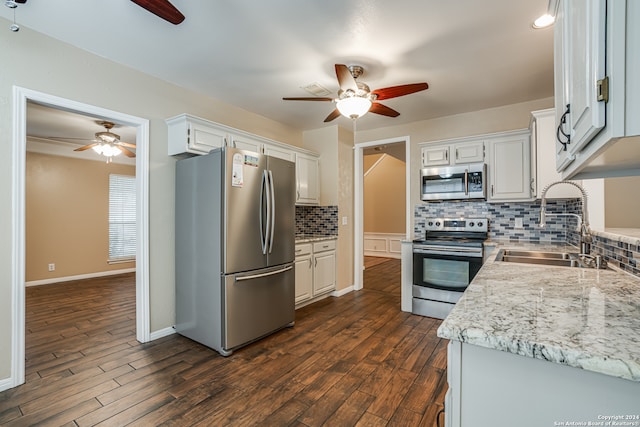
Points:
[(356, 360)]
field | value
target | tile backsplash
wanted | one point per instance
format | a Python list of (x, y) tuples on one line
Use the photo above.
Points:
[(622, 252), (619, 251), (502, 218), (322, 220)]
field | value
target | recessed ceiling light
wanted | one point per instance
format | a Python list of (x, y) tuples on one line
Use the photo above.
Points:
[(544, 21)]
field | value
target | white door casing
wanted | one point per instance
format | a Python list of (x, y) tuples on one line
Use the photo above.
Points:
[(20, 98), (358, 222)]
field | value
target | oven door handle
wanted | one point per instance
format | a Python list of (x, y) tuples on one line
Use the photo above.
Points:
[(441, 250)]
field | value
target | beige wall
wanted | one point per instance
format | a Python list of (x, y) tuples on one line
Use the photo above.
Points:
[(384, 195), (67, 216), (508, 117), (34, 61), (335, 146), (345, 208), (622, 204)]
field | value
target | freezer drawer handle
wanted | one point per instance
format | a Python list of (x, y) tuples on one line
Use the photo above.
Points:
[(257, 276)]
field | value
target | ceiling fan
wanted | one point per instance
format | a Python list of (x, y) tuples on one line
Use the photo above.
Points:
[(162, 8), (356, 99), (108, 143)]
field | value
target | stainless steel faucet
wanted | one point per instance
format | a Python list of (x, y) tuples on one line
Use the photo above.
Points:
[(583, 221)]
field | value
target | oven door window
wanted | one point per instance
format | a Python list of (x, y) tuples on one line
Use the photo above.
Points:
[(445, 272)]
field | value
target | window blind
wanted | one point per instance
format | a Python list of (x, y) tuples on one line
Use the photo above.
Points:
[(122, 217)]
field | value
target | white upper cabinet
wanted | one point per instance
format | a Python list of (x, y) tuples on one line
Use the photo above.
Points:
[(468, 152), (279, 152), (597, 63), (188, 134), (543, 171), (435, 156), (307, 179), (246, 143), (451, 154), (509, 167), (584, 23)]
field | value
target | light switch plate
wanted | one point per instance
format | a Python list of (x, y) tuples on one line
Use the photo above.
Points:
[(344, 220), (518, 222)]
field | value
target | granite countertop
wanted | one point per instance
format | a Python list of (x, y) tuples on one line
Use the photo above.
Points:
[(585, 318), (306, 238)]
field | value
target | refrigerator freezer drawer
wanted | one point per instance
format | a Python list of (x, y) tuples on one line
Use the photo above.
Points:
[(256, 304)]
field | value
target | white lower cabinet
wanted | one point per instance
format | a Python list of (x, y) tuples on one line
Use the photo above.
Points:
[(315, 269), (304, 272), (496, 388)]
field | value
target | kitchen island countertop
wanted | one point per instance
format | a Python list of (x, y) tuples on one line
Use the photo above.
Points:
[(585, 318)]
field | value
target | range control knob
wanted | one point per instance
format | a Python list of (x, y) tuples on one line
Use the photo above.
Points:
[(430, 223), (471, 224), (480, 224), (437, 223)]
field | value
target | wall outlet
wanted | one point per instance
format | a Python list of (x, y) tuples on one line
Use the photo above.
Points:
[(52, 267), (344, 220), (519, 223)]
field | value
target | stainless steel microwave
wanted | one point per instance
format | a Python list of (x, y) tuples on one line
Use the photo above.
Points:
[(457, 182)]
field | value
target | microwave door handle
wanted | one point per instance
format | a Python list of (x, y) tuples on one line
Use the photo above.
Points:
[(466, 182)]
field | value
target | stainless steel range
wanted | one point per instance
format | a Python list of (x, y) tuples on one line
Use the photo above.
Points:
[(445, 262)]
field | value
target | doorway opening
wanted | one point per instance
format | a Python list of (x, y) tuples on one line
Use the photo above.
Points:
[(381, 217), (21, 98)]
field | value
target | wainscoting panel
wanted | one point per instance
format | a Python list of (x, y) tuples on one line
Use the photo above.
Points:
[(383, 244)]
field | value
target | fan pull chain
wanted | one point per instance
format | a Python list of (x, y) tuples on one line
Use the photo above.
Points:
[(11, 4)]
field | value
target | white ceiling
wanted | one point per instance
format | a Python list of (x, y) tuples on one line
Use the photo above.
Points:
[(249, 53)]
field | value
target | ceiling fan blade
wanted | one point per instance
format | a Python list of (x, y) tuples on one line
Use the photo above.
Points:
[(126, 144), (345, 79), (126, 152), (311, 98), (86, 147), (378, 108), (395, 91), (162, 8), (334, 115)]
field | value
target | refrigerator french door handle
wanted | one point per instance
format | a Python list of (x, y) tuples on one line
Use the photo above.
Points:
[(263, 196), (257, 276), (273, 210)]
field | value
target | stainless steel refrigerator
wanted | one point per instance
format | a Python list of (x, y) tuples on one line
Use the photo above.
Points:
[(235, 231)]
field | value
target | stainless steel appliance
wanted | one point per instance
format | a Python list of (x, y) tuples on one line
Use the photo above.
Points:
[(454, 182), (445, 262), (235, 230)]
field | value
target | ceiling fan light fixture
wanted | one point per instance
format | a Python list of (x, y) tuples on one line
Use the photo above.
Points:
[(106, 150), (544, 21), (353, 107)]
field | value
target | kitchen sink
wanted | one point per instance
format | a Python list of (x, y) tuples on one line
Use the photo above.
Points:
[(560, 259)]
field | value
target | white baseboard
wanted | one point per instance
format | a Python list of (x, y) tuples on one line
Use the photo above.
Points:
[(6, 384), (386, 245), (343, 291), (79, 277), (162, 333)]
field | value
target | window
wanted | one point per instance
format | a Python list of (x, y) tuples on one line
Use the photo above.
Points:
[(122, 218)]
